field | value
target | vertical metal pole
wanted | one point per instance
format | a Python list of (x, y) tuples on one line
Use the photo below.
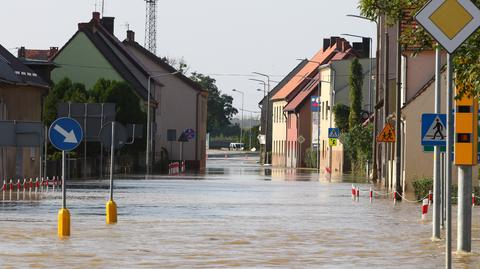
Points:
[(332, 103), (101, 145), (64, 191), (112, 158), (147, 148), (386, 89), (45, 152), (268, 115), (442, 176), (398, 113), (448, 263), (436, 157), (464, 218), (84, 138), (241, 125)]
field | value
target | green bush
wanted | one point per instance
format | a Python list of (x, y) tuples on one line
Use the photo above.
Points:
[(422, 186)]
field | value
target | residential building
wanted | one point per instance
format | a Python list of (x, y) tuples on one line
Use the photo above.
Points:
[(265, 102), (182, 104), (177, 103), (22, 91)]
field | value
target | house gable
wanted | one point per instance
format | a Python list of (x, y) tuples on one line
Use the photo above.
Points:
[(82, 62)]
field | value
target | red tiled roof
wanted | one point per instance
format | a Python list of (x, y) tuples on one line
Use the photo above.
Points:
[(321, 57)]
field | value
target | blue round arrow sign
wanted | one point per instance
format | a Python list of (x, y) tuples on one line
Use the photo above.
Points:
[(65, 134)]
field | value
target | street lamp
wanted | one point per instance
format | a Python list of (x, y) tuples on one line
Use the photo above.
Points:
[(267, 111), (149, 142), (377, 87), (370, 70), (265, 96), (241, 123)]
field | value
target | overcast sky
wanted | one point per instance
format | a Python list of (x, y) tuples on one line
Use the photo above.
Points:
[(226, 39)]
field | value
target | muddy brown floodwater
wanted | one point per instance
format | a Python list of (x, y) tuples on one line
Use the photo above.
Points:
[(236, 216)]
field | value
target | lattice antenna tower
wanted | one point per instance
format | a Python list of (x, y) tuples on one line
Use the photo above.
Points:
[(151, 26)]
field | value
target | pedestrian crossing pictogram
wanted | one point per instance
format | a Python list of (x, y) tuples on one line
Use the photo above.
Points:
[(434, 130), (387, 135), (333, 133)]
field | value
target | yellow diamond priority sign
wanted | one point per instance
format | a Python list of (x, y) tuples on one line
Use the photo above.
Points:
[(450, 22)]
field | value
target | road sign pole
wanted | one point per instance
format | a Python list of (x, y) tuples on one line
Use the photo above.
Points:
[(436, 157), (63, 215), (64, 191), (448, 174), (112, 159), (111, 207), (464, 225)]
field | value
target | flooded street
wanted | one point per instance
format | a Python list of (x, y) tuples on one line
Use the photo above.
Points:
[(234, 216)]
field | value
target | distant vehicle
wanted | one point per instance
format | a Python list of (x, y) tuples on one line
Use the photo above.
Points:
[(237, 146)]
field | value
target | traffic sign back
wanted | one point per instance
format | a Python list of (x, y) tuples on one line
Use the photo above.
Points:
[(387, 135), (65, 134)]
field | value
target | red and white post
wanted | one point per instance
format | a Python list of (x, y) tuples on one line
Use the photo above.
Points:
[(425, 208)]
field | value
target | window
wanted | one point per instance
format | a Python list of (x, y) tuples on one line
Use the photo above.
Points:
[(326, 112)]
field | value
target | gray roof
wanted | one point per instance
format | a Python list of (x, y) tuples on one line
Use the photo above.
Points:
[(13, 71)]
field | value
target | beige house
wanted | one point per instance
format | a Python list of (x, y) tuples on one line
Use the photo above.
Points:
[(21, 97), (182, 104)]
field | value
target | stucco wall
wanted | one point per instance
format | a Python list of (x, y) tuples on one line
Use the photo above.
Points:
[(278, 134), (177, 110), (82, 62)]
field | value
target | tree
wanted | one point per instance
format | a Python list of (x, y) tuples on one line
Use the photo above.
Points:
[(466, 63), (341, 113), (178, 63), (356, 84), (220, 109)]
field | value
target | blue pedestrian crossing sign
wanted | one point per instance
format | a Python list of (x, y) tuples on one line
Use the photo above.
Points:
[(434, 130), (333, 133), (65, 134)]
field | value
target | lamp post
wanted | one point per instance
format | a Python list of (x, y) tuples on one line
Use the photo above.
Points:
[(266, 118), (149, 144), (241, 123), (265, 130)]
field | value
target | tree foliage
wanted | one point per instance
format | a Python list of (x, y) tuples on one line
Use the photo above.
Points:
[(220, 108), (466, 60), (341, 113), (356, 84)]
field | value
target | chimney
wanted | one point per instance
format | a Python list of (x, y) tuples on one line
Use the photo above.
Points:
[(21, 52), (108, 23), (333, 40), (130, 36), (96, 17), (53, 51), (366, 47), (326, 44)]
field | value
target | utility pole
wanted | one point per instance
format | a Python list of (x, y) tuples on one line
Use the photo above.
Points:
[(398, 112), (385, 100), (151, 26)]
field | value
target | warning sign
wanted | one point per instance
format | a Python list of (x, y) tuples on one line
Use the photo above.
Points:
[(387, 135), (434, 131)]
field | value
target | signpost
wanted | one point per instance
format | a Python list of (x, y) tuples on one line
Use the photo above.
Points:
[(451, 22), (65, 134), (301, 139)]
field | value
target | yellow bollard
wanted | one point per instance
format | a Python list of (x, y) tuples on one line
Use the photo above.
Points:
[(111, 212), (63, 223)]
